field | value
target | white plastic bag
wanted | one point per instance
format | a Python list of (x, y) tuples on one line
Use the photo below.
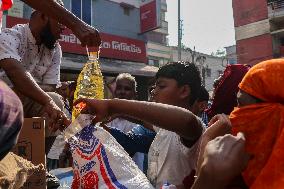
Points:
[(99, 162)]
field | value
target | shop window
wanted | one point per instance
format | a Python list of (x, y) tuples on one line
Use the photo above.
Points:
[(156, 63), (232, 61), (82, 9), (163, 16), (67, 4), (282, 41), (208, 72), (126, 8), (151, 62), (126, 11)]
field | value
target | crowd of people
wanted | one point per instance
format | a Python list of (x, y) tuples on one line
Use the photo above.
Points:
[(180, 135)]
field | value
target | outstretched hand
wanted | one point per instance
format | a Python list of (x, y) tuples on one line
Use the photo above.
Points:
[(98, 108), (225, 158), (219, 125), (57, 118)]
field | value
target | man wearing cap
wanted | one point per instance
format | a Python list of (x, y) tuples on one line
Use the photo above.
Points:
[(30, 59)]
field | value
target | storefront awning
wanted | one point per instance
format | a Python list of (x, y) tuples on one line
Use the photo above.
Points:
[(114, 67)]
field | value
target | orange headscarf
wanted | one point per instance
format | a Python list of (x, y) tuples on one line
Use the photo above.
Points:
[(262, 124)]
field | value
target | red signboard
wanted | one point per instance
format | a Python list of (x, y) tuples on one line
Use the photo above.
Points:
[(150, 16), (12, 21), (249, 11), (254, 50), (113, 46)]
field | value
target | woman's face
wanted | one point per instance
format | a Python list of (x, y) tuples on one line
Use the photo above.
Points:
[(245, 99)]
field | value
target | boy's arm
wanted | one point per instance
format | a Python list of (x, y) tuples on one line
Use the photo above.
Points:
[(130, 119), (168, 117)]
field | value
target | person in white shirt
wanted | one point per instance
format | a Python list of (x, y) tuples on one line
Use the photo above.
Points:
[(125, 88), (30, 58)]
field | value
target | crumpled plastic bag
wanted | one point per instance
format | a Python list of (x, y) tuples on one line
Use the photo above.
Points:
[(100, 162)]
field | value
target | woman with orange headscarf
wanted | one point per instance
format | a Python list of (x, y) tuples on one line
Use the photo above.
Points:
[(260, 116)]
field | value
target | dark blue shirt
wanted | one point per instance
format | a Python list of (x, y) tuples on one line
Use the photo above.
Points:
[(139, 139)]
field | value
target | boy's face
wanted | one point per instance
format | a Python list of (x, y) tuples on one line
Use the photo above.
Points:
[(167, 91), (199, 107)]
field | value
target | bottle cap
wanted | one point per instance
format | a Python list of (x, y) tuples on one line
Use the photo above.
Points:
[(92, 55)]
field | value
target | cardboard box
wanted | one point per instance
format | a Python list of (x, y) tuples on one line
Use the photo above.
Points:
[(31, 146)]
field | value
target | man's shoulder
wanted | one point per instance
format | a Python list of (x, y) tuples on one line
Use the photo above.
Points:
[(14, 34), (57, 46), (17, 29), (57, 50)]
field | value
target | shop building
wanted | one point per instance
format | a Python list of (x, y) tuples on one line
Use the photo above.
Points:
[(231, 54), (124, 46), (259, 28)]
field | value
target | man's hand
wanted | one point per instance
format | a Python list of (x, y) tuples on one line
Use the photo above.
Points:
[(224, 158), (57, 119), (88, 35), (219, 125), (98, 108)]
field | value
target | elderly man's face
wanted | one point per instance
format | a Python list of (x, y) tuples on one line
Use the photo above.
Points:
[(125, 89)]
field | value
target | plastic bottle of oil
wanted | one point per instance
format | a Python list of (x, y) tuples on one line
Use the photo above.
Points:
[(89, 82)]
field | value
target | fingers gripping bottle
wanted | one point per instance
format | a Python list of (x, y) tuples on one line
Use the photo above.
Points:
[(89, 83)]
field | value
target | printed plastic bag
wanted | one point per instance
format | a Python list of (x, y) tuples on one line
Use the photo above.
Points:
[(99, 162)]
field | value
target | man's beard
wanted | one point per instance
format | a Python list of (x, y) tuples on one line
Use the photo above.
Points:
[(47, 38)]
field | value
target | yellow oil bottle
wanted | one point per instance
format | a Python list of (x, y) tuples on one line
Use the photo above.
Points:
[(90, 82)]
